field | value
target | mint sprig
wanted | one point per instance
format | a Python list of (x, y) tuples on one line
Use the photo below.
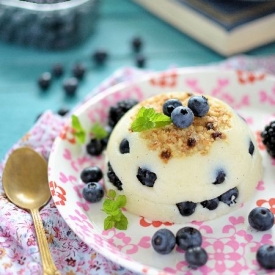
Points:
[(98, 131), (112, 207), (79, 131), (148, 118)]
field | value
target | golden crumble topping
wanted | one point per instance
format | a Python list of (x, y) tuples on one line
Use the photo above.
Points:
[(171, 141)]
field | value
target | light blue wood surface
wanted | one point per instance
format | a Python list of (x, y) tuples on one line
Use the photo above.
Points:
[(120, 20)]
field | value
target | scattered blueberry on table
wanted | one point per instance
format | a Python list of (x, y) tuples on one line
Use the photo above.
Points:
[(100, 56), (140, 61), (137, 44), (79, 70), (57, 70), (70, 86), (45, 80)]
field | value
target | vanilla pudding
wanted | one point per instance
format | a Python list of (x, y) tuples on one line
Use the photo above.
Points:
[(177, 174)]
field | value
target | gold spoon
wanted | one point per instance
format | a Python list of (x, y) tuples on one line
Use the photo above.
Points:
[(25, 183)]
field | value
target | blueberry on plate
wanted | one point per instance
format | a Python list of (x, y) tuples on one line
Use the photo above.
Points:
[(95, 147), (163, 241), (169, 105), (266, 256), (182, 117), (188, 237), (261, 218), (93, 192), (199, 105), (196, 257), (119, 109), (91, 174)]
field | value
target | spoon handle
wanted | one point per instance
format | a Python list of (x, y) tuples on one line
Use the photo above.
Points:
[(49, 267)]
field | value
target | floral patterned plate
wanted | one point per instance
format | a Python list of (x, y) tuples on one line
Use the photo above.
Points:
[(229, 241)]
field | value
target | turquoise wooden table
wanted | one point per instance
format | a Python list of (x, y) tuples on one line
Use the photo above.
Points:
[(21, 100)]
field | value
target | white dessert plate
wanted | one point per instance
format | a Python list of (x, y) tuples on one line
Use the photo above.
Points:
[(230, 242)]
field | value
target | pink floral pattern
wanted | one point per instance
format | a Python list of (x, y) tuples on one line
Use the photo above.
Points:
[(79, 247)]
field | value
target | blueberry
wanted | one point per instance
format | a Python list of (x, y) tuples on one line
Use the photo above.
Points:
[(70, 86), (100, 56), (169, 105), (146, 177), (57, 70), (79, 70), (91, 174), (196, 257), (45, 80), (163, 241), (95, 147), (63, 111), (119, 109), (124, 147), (210, 204), (186, 208), (266, 256), (113, 177), (93, 192), (230, 196), (220, 178), (182, 117), (140, 61), (199, 105), (137, 44), (251, 148), (261, 218), (188, 237)]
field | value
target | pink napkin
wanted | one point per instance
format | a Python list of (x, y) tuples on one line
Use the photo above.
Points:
[(19, 252)]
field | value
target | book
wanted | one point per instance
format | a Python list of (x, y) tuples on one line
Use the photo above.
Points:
[(227, 26)]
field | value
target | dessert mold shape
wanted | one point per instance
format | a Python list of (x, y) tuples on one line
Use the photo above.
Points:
[(226, 153)]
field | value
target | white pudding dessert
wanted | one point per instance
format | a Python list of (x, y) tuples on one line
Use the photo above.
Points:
[(182, 172)]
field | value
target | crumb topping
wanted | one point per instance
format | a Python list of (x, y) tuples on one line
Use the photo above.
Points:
[(171, 141)]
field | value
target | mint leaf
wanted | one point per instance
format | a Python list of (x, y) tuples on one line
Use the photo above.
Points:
[(148, 118), (79, 131), (122, 224), (108, 223), (112, 207), (121, 201), (111, 194), (99, 131)]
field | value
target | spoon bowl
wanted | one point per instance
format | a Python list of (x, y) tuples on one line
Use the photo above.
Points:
[(25, 182), (25, 179)]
